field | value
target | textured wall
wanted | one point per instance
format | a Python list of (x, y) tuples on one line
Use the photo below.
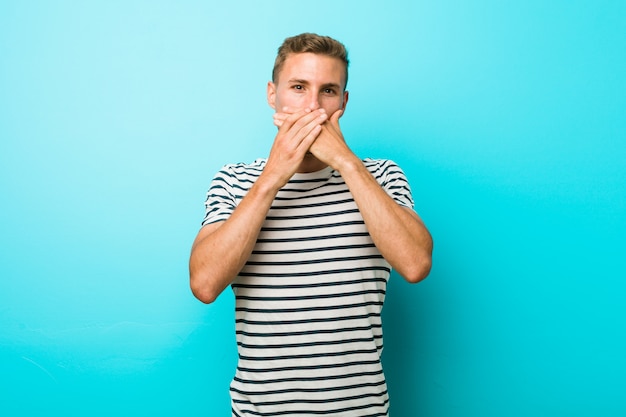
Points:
[(508, 118)]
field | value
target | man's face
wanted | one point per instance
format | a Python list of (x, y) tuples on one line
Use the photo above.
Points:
[(309, 80)]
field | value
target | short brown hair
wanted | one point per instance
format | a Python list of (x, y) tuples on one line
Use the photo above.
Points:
[(310, 42)]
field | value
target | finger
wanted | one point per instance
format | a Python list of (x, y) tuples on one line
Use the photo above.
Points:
[(308, 139), (333, 122), (287, 119), (306, 124), (306, 130), (334, 118), (286, 111), (279, 118), (300, 119), (278, 121)]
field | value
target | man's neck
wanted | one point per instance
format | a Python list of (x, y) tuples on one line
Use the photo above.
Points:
[(310, 164)]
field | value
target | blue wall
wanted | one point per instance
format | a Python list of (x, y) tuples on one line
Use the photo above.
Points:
[(508, 117)]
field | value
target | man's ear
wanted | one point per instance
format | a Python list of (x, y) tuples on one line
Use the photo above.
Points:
[(271, 94)]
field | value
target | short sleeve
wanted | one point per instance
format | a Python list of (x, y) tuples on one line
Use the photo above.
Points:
[(220, 201), (228, 188), (393, 180)]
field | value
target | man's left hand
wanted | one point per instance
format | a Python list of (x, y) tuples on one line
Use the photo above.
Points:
[(330, 146)]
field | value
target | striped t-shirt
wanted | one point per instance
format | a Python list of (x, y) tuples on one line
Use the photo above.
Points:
[(308, 301)]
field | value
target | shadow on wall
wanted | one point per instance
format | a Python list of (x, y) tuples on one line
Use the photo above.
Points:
[(409, 356)]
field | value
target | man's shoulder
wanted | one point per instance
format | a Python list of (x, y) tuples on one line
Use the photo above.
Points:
[(239, 174), (257, 164), (253, 168), (377, 165)]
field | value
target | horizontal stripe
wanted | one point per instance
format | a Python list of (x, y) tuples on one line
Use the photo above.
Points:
[(312, 273), (308, 356), (307, 344), (314, 261), (310, 390), (313, 238), (308, 332), (313, 401), (310, 195), (310, 297), (314, 249), (312, 215), (316, 284), (312, 226), (299, 413), (309, 379), (311, 205), (308, 367), (308, 309)]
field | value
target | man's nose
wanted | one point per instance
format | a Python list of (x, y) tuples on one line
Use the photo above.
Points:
[(314, 102)]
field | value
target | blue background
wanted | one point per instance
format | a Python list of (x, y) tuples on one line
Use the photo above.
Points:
[(508, 118)]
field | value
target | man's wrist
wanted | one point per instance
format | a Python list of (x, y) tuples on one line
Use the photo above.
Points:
[(268, 183), (347, 164)]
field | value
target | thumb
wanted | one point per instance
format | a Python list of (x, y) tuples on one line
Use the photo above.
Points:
[(333, 123), (334, 119)]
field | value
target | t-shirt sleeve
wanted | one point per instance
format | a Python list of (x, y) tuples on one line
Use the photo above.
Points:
[(394, 182), (220, 201)]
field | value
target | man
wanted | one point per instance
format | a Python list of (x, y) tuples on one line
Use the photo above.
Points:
[(306, 239)]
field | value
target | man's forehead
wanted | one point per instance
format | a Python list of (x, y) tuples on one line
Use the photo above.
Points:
[(307, 65), (310, 58)]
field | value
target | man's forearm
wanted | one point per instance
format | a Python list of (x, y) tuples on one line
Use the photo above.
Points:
[(221, 250), (397, 231)]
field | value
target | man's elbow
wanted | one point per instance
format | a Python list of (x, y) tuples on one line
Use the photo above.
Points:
[(201, 290), (205, 296), (418, 271)]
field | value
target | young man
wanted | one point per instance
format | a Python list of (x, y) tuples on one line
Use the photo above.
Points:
[(306, 239)]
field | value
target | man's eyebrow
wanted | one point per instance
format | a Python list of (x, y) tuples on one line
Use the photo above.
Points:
[(331, 85), (298, 81), (305, 82)]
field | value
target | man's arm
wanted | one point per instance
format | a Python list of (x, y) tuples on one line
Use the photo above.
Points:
[(398, 232), (221, 249)]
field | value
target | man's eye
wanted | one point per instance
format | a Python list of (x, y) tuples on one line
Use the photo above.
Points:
[(329, 91), (297, 87)]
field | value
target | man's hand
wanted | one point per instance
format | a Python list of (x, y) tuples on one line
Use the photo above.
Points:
[(296, 133), (329, 146)]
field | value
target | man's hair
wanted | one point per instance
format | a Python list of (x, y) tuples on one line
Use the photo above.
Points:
[(310, 42)]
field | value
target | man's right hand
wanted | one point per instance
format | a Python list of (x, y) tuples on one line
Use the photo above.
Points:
[(296, 132)]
